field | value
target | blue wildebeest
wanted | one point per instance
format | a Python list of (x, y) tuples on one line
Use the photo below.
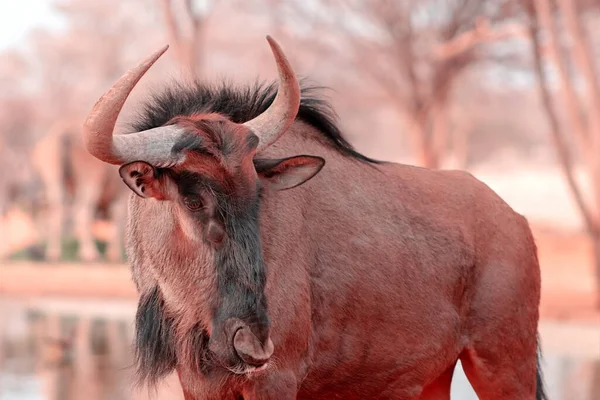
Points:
[(368, 280)]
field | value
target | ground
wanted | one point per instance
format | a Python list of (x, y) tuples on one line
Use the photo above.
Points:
[(568, 278)]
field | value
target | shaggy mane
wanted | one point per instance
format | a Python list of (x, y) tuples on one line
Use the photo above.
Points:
[(241, 104)]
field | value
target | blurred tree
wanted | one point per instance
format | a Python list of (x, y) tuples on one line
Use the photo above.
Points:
[(100, 41), (413, 49), (185, 26), (16, 137), (70, 67), (582, 110)]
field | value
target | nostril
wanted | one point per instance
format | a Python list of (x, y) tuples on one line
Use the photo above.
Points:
[(249, 348)]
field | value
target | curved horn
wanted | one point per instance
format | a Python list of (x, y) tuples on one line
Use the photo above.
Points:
[(153, 146), (280, 115)]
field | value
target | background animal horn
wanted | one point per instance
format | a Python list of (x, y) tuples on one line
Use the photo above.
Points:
[(100, 123), (272, 123)]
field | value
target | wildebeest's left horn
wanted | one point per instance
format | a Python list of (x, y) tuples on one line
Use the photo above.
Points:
[(280, 115), (153, 146)]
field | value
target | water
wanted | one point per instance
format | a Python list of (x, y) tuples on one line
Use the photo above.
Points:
[(72, 349)]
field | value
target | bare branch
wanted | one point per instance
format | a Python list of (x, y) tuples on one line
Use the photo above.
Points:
[(187, 44), (386, 41), (482, 33), (170, 23)]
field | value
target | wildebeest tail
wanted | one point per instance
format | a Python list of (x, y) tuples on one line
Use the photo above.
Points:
[(540, 391)]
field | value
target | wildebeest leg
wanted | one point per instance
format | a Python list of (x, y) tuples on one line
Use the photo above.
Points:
[(87, 197), (500, 358), (440, 388), (55, 196), (275, 385), (3, 230), (497, 377), (118, 213), (47, 159)]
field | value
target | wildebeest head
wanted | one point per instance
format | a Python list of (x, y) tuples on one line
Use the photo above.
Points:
[(199, 184)]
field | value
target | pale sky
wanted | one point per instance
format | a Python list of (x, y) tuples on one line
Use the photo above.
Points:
[(17, 17)]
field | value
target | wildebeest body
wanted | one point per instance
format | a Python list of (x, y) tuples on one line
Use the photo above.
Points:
[(364, 280), (417, 251)]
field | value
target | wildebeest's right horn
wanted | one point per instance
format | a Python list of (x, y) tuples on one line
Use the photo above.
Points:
[(280, 115), (153, 146)]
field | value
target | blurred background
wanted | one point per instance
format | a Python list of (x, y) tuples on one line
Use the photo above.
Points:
[(506, 89)]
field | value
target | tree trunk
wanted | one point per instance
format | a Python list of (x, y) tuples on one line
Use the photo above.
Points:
[(460, 143), (423, 145), (595, 384), (422, 141), (560, 144), (564, 156), (567, 91), (440, 130), (584, 62), (596, 261), (188, 45), (582, 58)]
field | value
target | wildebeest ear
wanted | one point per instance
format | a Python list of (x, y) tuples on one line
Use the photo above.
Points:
[(142, 179), (286, 173)]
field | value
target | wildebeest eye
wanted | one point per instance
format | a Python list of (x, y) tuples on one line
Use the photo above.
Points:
[(194, 203)]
